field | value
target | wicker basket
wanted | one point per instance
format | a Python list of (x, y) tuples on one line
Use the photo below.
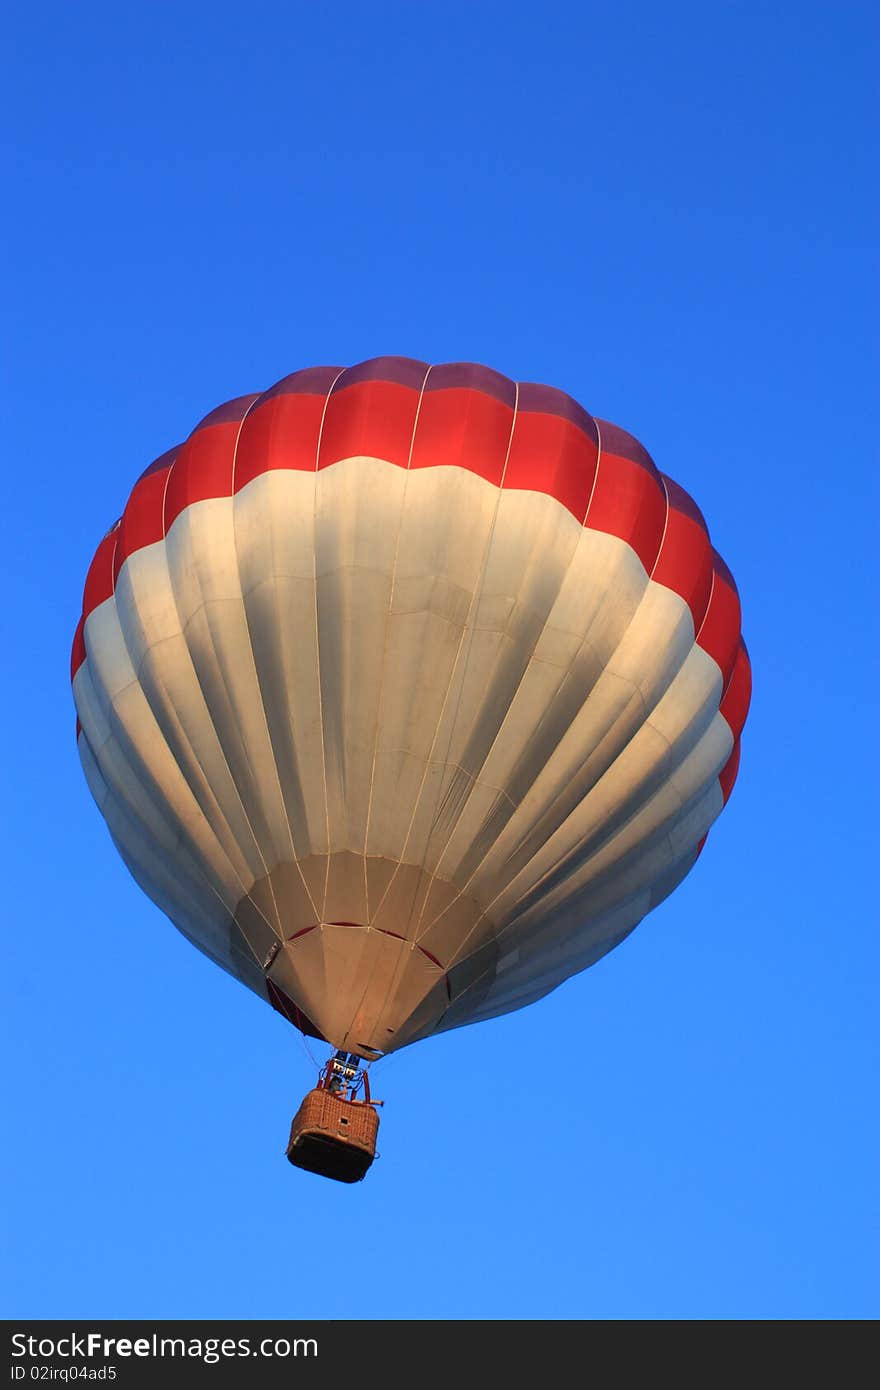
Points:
[(333, 1137)]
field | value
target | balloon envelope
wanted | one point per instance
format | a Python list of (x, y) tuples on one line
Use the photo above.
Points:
[(407, 691)]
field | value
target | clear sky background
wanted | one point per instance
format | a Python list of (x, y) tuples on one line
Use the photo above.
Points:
[(667, 210)]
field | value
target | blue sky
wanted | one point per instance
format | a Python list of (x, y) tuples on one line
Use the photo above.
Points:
[(666, 210)]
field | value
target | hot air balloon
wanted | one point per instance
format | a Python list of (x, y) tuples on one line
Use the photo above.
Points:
[(406, 691)]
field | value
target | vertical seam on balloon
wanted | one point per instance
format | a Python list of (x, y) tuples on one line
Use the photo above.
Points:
[(268, 877), (371, 970), (475, 776), (665, 529), (596, 473), (706, 614), (159, 729), (219, 742), (340, 373), (449, 688), (735, 736), (466, 642), (137, 669), (387, 634), (740, 646), (112, 564), (258, 682)]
